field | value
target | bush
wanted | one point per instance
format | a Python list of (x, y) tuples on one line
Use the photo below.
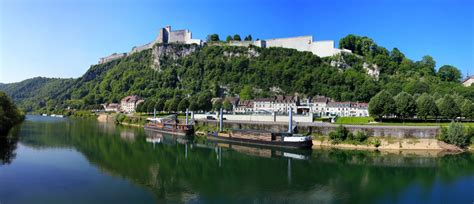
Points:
[(360, 136), (119, 118), (340, 134), (375, 141), (456, 134)]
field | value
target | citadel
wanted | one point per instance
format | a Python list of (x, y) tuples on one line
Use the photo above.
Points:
[(323, 48)]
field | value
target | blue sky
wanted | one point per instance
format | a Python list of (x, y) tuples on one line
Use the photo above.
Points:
[(62, 38)]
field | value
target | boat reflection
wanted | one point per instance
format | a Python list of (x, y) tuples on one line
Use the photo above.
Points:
[(258, 151)]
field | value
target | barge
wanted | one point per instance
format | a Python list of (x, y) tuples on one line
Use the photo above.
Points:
[(169, 125), (256, 137)]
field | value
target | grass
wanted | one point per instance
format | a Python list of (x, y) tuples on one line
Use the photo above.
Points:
[(354, 120), (367, 120)]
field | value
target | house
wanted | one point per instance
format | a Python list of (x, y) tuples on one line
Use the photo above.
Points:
[(244, 106), (468, 81), (130, 103), (318, 105), (263, 105), (111, 107), (346, 109), (283, 103)]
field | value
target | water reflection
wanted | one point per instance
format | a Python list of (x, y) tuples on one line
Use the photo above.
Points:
[(8, 145), (186, 169)]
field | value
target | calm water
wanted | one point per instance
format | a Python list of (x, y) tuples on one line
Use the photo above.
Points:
[(49, 160)]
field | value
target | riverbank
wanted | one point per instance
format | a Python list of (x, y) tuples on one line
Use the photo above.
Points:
[(395, 144)]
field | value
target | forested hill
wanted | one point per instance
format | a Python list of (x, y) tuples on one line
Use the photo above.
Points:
[(36, 93), (176, 71)]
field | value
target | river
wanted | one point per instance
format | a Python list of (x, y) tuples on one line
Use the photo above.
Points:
[(59, 160)]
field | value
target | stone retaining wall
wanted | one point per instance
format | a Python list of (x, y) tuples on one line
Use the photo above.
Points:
[(325, 128)]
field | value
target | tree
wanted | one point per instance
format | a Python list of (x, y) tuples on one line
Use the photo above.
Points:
[(448, 108), (151, 107), (455, 134), (427, 65), (426, 107), (193, 106), (9, 114), (213, 38), (405, 105), (237, 37), (204, 102), (171, 105), (228, 38), (159, 105), (449, 73), (246, 93), (217, 105), (183, 105), (140, 107), (386, 66), (382, 104), (467, 109), (396, 55), (227, 105)]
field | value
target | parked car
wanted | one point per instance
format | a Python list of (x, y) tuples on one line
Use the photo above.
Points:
[(210, 118)]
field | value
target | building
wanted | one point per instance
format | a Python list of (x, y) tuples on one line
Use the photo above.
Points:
[(468, 81), (318, 105), (111, 107), (244, 106), (323, 48), (346, 109), (166, 35), (112, 57), (263, 105), (282, 104), (130, 103)]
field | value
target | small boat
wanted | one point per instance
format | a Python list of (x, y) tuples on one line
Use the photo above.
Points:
[(170, 125), (44, 114), (264, 138)]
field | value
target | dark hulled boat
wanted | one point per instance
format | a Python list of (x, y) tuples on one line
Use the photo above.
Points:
[(170, 126), (264, 138)]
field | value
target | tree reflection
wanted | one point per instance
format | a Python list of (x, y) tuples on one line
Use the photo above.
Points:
[(8, 146)]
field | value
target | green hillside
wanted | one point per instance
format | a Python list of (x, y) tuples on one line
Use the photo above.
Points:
[(176, 71)]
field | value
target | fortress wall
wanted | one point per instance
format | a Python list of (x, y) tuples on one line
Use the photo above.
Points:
[(324, 48), (141, 48), (112, 57), (194, 41), (178, 36), (302, 43)]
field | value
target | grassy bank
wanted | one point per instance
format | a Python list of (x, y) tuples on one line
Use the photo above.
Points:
[(371, 121)]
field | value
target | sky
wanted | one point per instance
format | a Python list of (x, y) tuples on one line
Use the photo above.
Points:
[(63, 38)]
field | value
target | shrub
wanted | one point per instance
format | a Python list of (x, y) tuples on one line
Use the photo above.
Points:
[(456, 134), (375, 141), (360, 136), (340, 134), (119, 118)]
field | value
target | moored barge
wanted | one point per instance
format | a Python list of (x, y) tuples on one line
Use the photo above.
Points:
[(264, 138), (165, 125)]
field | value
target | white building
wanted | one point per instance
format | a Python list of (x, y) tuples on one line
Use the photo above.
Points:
[(323, 48), (130, 103), (244, 106), (111, 107), (347, 109), (468, 81)]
